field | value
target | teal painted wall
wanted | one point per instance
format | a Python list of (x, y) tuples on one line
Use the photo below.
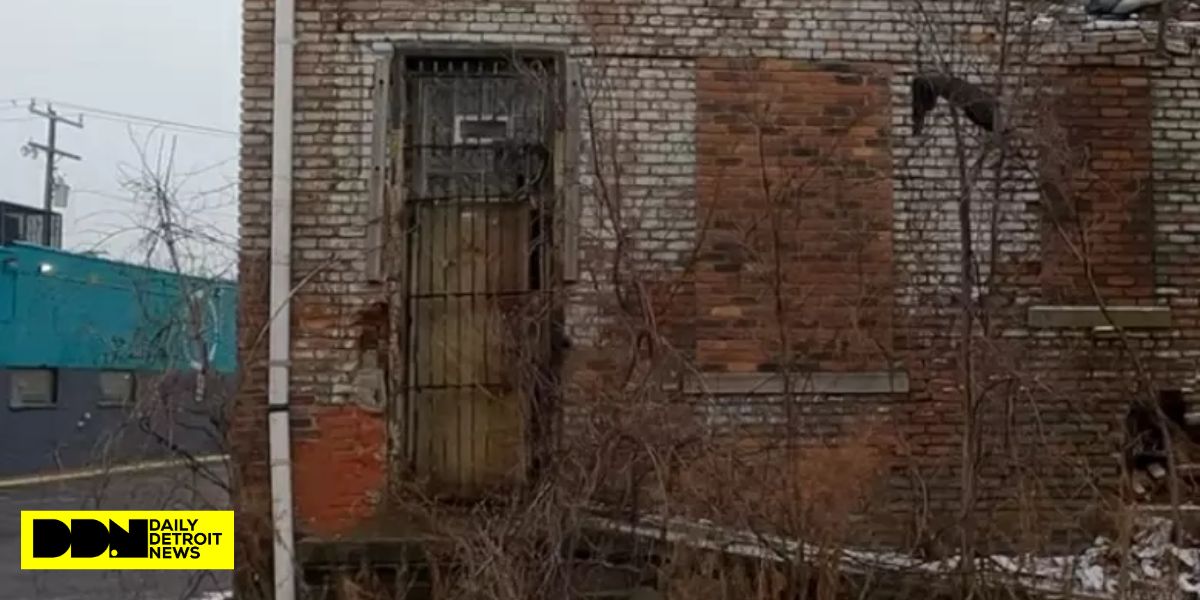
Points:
[(64, 310)]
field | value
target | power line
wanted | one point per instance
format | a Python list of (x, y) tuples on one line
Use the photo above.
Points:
[(104, 194), (213, 166), (122, 116), (131, 118), (144, 123)]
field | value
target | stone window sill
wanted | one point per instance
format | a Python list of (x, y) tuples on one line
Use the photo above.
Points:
[(1091, 317), (820, 382)]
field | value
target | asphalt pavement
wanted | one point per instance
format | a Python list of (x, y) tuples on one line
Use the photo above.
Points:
[(170, 489)]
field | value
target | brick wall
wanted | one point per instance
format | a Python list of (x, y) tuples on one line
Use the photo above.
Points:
[(1176, 149), (1106, 114), (341, 456), (666, 79), (793, 164)]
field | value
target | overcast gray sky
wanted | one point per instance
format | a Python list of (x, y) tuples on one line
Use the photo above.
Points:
[(175, 60)]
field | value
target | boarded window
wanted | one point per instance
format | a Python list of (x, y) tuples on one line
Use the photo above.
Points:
[(32, 388), (478, 208), (116, 388)]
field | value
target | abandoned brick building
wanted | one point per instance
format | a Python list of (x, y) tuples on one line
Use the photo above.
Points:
[(725, 198)]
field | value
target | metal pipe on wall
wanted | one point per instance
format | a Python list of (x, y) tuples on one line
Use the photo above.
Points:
[(279, 332)]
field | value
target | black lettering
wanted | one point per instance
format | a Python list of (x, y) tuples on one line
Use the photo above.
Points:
[(187, 539), (155, 552), (195, 552), (200, 539), (180, 552), (51, 538), (133, 543), (89, 538)]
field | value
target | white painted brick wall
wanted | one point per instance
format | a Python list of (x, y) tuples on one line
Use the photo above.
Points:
[(640, 54)]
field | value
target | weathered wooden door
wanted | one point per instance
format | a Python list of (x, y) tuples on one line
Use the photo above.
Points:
[(477, 165)]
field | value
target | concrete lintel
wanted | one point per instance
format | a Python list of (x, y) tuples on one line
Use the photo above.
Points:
[(1086, 317), (820, 382)]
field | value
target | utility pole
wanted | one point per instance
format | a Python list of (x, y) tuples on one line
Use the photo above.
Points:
[(52, 153)]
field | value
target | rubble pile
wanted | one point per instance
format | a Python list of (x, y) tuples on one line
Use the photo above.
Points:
[(1153, 560)]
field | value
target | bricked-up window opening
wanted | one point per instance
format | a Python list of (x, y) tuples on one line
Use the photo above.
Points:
[(1097, 178), (478, 198)]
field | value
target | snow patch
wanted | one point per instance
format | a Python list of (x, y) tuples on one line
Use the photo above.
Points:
[(1093, 573), (214, 596)]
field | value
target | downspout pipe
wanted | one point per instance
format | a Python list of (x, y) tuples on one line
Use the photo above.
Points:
[(279, 332)]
